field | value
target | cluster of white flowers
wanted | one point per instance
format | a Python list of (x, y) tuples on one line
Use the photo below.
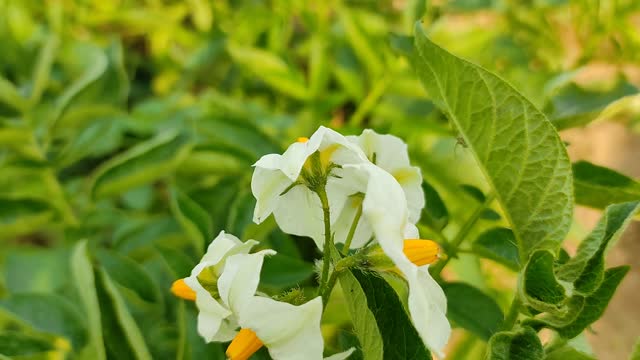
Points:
[(360, 191)]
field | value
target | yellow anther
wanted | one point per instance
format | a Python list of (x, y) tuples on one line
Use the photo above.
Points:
[(302, 139), (421, 252), (245, 344), (180, 289)]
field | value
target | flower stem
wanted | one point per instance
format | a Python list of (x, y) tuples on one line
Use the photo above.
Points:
[(328, 243), (453, 246), (352, 230)]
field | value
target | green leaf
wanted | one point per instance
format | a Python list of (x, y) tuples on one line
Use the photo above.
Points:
[(124, 339), (538, 285), (567, 352), (598, 186), (36, 270), (575, 106), (281, 271), (596, 303), (194, 219), (522, 344), (474, 192), (22, 216), (586, 269), (84, 281), (364, 322), (14, 344), (10, 96), (49, 313), (498, 244), (391, 319), (143, 163), (272, 70), (522, 156), (435, 215), (635, 353), (472, 309), (127, 273)]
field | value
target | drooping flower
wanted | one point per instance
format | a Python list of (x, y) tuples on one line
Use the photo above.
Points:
[(215, 317), (384, 209), (391, 154), (224, 286), (285, 184)]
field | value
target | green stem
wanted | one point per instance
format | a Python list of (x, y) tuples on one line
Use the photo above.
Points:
[(369, 101), (326, 261), (453, 246), (340, 265), (352, 230), (512, 315)]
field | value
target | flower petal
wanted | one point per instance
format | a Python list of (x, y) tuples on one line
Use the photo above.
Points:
[(289, 332), (390, 151), (267, 186), (385, 208), (341, 356), (300, 213), (240, 278)]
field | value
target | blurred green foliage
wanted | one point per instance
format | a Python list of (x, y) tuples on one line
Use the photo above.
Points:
[(128, 130)]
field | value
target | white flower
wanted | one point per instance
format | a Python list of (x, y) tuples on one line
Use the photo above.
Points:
[(389, 153), (228, 301), (215, 320), (385, 211), (296, 208)]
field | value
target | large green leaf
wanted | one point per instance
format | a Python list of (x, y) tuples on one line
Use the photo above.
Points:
[(364, 322), (391, 319), (521, 344), (141, 164), (518, 149), (472, 309), (84, 281), (598, 186), (586, 269), (49, 313)]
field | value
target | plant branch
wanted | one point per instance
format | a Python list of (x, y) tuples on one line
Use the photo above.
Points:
[(512, 314), (352, 230), (454, 244), (328, 244)]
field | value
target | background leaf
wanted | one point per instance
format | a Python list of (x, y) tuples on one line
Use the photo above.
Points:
[(472, 309)]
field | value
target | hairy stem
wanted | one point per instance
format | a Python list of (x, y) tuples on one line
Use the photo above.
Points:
[(328, 243), (453, 246), (512, 314), (352, 231)]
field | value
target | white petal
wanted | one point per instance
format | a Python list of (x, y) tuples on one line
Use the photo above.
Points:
[(410, 178), (219, 247), (289, 332), (427, 307), (300, 213), (341, 356), (391, 152), (266, 187), (239, 280), (228, 330), (385, 208), (211, 313)]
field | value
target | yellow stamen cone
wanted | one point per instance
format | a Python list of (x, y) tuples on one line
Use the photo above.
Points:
[(245, 344), (302, 139), (180, 289), (421, 252)]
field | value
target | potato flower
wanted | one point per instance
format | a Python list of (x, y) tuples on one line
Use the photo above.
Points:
[(224, 286), (287, 185)]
